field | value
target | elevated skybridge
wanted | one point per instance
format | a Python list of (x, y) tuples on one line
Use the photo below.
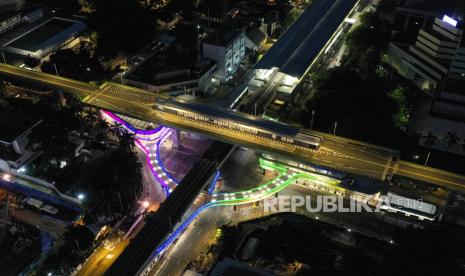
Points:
[(336, 152)]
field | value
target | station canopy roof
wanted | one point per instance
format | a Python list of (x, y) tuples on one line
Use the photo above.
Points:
[(300, 44)]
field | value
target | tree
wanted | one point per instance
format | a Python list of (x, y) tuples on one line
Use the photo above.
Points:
[(430, 139), (2, 89), (451, 139), (366, 43), (76, 239), (102, 127), (90, 117), (117, 129), (444, 252), (68, 6), (81, 65), (51, 136), (31, 62), (127, 141), (79, 237), (114, 176), (122, 26)]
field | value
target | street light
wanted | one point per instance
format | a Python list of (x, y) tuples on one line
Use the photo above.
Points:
[(4, 59), (145, 204), (81, 196), (427, 158), (56, 69), (313, 116), (6, 177)]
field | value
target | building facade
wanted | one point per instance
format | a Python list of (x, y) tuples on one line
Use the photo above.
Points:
[(436, 63), (8, 20), (14, 150), (227, 50), (428, 61)]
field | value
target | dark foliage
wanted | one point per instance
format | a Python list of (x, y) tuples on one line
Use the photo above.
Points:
[(81, 66), (113, 183), (122, 26), (436, 250)]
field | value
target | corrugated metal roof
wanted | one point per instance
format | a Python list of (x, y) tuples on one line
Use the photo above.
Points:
[(296, 49), (242, 118)]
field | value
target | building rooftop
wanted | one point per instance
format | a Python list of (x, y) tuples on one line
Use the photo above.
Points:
[(174, 64), (11, 10), (296, 49), (229, 267), (42, 39), (7, 15), (14, 122), (222, 37), (255, 35), (8, 154)]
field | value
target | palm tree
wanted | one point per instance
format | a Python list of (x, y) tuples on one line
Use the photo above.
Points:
[(116, 128), (430, 139), (452, 139), (127, 141), (103, 125), (102, 128), (90, 117), (2, 90)]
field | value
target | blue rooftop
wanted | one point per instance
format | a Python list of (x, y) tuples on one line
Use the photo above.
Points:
[(300, 44)]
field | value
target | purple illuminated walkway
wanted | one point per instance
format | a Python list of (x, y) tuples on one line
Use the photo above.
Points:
[(149, 141)]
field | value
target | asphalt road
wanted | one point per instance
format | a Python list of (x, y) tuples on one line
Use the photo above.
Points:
[(336, 152)]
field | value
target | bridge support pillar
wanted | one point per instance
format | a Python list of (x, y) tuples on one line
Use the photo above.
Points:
[(62, 97), (176, 138)]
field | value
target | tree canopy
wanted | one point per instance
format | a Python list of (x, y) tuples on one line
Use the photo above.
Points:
[(81, 65), (114, 182), (122, 26), (364, 101)]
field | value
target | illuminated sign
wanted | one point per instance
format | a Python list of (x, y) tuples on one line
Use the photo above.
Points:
[(449, 20)]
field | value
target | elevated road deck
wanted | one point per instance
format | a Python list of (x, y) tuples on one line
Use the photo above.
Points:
[(336, 152)]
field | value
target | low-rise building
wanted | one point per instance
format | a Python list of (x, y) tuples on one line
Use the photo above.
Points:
[(8, 20), (175, 70), (13, 144), (32, 14), (42, 39), (255, 39)]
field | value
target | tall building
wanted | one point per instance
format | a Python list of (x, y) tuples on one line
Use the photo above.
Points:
[(436, 63), (427, 62), (449, 101), (227, 48)]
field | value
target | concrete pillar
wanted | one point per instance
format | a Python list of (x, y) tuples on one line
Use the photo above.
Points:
[(62, 97), (176, 138)]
